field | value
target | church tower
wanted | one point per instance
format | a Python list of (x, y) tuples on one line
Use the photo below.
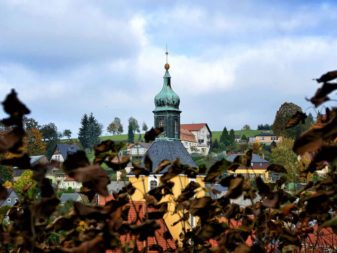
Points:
[(166, 112)]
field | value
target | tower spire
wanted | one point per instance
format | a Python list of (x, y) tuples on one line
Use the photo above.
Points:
[(167, 65)]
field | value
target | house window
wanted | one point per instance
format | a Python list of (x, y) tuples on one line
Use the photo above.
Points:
[(192, 221), (161, 123), (201, 141), (153, 184), (8, 200), (176, 128)]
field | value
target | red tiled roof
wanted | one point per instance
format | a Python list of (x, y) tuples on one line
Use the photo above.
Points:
[(186, 135), (193, 127), (321, 238), (141, 208)]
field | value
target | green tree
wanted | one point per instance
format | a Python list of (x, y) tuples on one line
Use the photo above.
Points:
[(50, 137), (215, 145), (144, 127), (134, 124), (283, 155), (246, 127), (244, 138), (89, 131), (83, 132), (285, 112), (231, 137), (115, 127), (131, 134), (67, 133), (30, 123), (95, 130), (132, 128), (224, 137)]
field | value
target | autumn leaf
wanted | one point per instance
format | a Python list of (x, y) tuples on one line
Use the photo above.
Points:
[(13, 106), (138, 170), (3, 193), (327, 77), (322, 93), (11, 140), (276, 168), (92, 177), (152, 134), (216, 170), (298, 117)]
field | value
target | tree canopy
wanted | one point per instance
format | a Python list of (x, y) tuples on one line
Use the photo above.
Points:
[(89, 131), (50, 137), (283, 115), (115, 127)]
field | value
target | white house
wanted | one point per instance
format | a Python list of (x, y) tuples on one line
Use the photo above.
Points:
[(66, 182), (203, 136), (188, 140), (137, 150), (61, 151)]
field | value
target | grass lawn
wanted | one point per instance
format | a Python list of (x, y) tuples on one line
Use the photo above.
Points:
[(121, 137), (248, 133)]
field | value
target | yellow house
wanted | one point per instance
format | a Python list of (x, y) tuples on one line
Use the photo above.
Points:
[(258, 167), (266, 138), (145, 183)]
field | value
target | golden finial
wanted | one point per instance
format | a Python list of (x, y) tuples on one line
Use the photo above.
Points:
[(166, 66)]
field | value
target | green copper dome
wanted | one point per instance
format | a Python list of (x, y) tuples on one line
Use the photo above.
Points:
[(167, 99)]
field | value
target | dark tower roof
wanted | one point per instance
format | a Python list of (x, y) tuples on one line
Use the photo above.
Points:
[(165, 149)]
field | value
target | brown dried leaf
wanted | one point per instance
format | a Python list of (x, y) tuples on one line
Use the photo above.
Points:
[(234, 184), (296, 119), (262, 187), (93, 246), (217, 169), (325, 155), (321, 94), (13, 106), (76, 160), (3, 193), (276, 168), (145, 229), (92, 177), (152, 134), (139, 170), (327, 77), (244, 160), (11, 140), (117, 163), (163, 164), (22, 162), (188, 192)]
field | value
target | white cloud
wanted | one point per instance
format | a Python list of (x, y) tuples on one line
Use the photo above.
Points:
[(63, 32)]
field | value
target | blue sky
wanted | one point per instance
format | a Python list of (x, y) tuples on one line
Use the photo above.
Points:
[(232, 62)]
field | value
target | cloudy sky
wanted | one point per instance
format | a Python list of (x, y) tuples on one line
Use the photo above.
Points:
[(232, 62)]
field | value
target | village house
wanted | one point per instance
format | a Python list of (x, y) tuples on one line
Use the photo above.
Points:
[(202, 135), (266, 138), (11, 199), (62, 150), (258, 167)]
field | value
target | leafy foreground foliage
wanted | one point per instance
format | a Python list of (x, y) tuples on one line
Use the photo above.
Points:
[(278, 222)]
